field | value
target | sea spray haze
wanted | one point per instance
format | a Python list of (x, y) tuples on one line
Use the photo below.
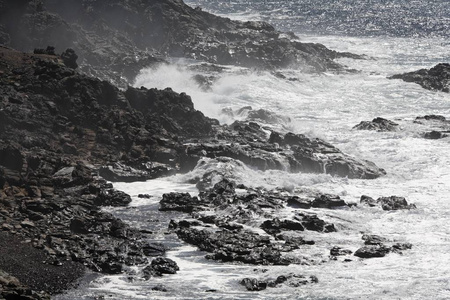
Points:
[(395, 36)]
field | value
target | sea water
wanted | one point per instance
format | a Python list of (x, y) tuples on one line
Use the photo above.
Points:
[(397, 37)]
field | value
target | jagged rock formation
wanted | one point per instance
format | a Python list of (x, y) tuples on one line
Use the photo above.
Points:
[(118, 38), (250, 143), (436, 79)]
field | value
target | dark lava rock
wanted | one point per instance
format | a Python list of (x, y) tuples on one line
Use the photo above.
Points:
[(244, 246), (153, 27), (253, 284), (378, 124), (248, 143), (395, 203), (296, 202), (121, 173), (438, 118), (160, 288), (388, 203), (328, 201), (276, 226), (338, 251), (179, 201), (376, 247), (372, 239), (154, 249), (57, 128), (435, 135), (399, 247), (314, 223), (372, 251), (436, 78), (368, 201), (292, 280), (160, 266), (112, 197)]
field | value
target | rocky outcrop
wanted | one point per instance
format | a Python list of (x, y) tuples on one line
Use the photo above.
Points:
[(250, 143), (387, 203), (292, 280), (58, 129), (375, 246), (378, 124), (436, 79), (148, 32), (218, 217)]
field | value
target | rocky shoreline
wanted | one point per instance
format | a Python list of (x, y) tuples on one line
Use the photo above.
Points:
[(66, 131)]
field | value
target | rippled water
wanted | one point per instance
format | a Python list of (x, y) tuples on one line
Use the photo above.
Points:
[(406, 18), (325, 106)]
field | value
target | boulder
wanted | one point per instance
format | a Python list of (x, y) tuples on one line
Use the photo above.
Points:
[(338, 251), (328, 201), (372, 251), (160, 266), (395, 203), (377, 124)]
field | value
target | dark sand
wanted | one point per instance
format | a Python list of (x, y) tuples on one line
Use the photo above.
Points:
[(25, 262)]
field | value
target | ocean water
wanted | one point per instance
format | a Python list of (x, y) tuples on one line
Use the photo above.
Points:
[(397, 36)]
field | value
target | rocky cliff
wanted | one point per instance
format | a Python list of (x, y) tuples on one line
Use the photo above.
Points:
[(115, 39)]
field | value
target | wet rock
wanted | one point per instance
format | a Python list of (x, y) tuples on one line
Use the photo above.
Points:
[(378, 124), (338, 251), (372, 239), (253, 284), (399, 247), (292, 280), (368, 201), (438, 118), (249, 143), (160, 266), (388, 203), (328, 201), (160, 288), (243, 246), (276, 226), (372, 251), (436, 78), (179, 202), (121, 173), (314, 223), (112, 197), (296, 202), (395, 203), (435, 135)]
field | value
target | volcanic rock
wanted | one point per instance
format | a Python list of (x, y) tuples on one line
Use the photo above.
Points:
[(372, 251), (437, 78), (160, 266), (151, 31), (338, 251), (378, 124), (328, 201), (395, 203)]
